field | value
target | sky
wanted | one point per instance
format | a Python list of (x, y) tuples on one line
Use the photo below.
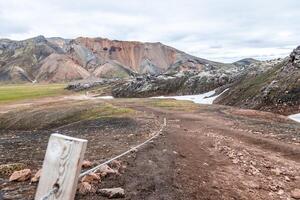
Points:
[(219, 30)]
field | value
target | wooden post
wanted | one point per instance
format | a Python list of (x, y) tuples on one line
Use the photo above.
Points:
[(61, 167)]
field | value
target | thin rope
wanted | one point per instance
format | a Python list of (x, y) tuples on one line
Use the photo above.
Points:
[(49, 194), (55, 189), (125, 153)]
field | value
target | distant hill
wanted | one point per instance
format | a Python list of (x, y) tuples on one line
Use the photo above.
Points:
[(246, 61), (48, 60)]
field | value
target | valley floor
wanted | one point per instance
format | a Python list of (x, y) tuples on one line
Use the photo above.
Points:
[(205, 152)]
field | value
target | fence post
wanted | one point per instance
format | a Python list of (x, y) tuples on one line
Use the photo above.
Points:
[(61, 167)]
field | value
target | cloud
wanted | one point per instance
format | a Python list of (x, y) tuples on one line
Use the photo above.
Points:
[(221, 30)]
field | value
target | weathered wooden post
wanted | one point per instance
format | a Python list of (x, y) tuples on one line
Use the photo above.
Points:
[(61, 167)]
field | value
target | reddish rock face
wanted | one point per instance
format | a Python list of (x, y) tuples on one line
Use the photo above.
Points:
[(131, 54)]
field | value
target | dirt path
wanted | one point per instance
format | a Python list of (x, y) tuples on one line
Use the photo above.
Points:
[(211, 152), (215, 159)]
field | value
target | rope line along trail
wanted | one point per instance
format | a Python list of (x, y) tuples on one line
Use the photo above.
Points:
[(155, 135), (126, 152)]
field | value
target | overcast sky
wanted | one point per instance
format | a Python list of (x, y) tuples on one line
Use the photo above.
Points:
[(221, 30)]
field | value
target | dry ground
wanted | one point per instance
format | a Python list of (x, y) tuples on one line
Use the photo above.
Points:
[(206, 151)]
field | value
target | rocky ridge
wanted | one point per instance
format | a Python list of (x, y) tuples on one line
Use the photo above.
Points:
[(188, 82), (276, 90)]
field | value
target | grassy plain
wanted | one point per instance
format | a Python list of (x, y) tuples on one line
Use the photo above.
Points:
[(11, 93)]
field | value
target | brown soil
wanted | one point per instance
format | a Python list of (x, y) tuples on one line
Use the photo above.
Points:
[(205, 152)]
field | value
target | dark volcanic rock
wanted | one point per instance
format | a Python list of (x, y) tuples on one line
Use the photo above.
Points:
[(295, 57), (276, 90), (183, 83), (150, 85), (91, 83)]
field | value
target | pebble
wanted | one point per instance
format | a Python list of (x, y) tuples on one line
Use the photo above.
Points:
[(276, 171), (87, 164), (296, 193), (112, 192), (85, 187), (37, 176), (91, 178), (22, 175)]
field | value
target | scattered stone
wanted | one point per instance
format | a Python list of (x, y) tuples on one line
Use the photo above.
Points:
[(253, 170), (91, 178), (115, 164), (276, 185), (235, 161), (134, 150), (85, 187), (296, 193), (11, 196), (252, 184), (112, 192), (106, 170), (37, 176), (276, 171), (240, 154), (231, 155), (21, 175), (280, 192), (253, 163), (87, 164), (215, 184)]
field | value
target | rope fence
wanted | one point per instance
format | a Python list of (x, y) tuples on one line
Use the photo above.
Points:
[(55, 188)]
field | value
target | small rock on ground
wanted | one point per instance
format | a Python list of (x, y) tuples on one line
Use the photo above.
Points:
[(112, 192), (37, 176), (22, 175), (91, 178), (87, 164), (296, 193), (85, 188)]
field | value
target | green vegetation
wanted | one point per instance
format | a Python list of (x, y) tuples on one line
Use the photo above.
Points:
[(9, 93), (174, 104), (91, 112), (8, 169), (53, 115)]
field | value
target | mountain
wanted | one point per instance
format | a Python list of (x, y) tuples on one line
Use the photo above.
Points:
[(246, 62), (276, 90), (57, 59)]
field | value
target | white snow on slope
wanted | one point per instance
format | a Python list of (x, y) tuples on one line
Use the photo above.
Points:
[(295, 117), (199, 98), (104, 97)]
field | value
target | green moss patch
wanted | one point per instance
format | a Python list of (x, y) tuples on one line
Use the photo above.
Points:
[(11, 93)]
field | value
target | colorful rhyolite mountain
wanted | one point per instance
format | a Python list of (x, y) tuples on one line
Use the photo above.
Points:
[(43, 59)]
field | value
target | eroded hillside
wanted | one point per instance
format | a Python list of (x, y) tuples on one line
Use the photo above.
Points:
[(276, 90)]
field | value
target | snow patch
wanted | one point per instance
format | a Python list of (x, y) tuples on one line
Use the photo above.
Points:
[(104, 97), (295, 117), (205, 98)]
